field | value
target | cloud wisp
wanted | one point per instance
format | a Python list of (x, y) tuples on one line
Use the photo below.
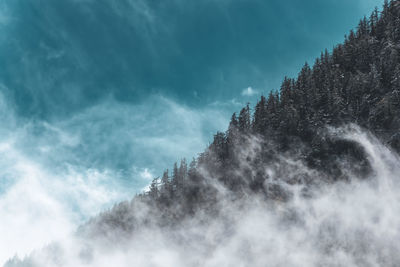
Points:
[(56, 174), (249, 91)]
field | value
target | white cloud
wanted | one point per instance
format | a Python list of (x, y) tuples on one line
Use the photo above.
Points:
[(55, 175), (146, 174), (39, 205), (249, 91)]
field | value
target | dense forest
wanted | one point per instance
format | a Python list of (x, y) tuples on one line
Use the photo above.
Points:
[(357, 83), (289, 138)]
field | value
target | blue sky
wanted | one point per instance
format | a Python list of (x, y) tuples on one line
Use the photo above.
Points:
[(58, 57), (139, 84), (99, 96)]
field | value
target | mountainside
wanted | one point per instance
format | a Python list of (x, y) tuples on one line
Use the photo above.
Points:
[(358, 83), (300, 164)]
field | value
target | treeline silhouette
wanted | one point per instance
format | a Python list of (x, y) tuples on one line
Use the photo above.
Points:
[(357, 82)]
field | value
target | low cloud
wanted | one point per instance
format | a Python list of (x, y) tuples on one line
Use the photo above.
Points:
[(54, 175), (352, 223), (249, 91), (146, 174)]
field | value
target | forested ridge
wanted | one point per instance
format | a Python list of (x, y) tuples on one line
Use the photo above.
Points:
[(358, 82), (308, 176)]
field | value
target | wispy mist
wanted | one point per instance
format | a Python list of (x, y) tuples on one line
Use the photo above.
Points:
[(352, 223), (98, 97), (55, 175)]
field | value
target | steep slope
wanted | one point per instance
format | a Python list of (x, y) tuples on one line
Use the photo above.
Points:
[(358, 83)]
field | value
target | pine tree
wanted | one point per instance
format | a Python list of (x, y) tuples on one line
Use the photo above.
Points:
[(374, 21), (166, 186), (154, 190), (232, 132), (183, 171), (259, 122), (192, 172), (175, 178), (244, 119)]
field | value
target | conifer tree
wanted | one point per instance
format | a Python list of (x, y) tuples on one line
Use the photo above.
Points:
[(244, 119)]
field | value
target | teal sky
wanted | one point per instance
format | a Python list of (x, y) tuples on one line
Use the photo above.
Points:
[(97, 97), (133, 85), (58, 57)]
